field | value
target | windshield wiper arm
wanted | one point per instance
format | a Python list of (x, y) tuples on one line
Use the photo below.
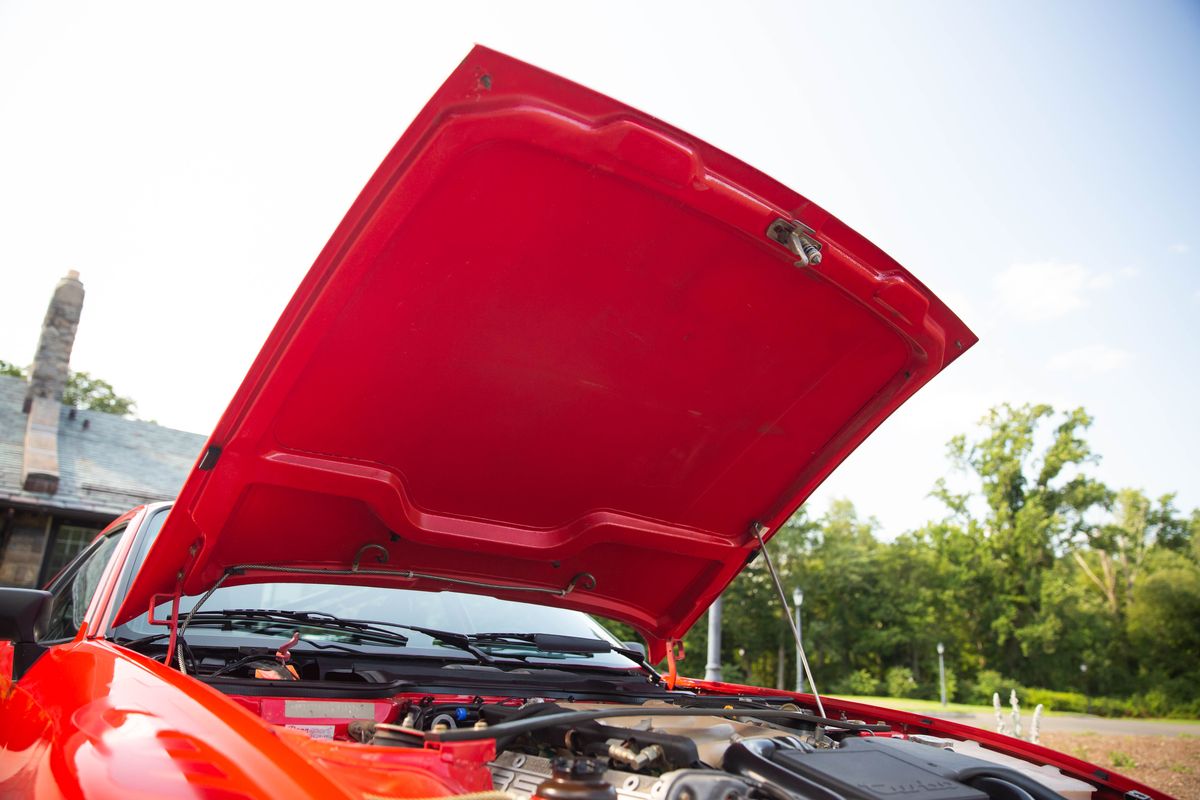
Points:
[(365, 629), (558, 643), (127, 642), (462, 641), (385, 632), (376, 628)]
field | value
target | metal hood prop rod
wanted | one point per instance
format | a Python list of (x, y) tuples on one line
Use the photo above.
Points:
[(758, 528)]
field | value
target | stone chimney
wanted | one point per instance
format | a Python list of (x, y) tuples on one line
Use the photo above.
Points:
[(47, 381)]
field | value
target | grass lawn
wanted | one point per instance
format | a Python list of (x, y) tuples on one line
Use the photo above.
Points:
[(934, 707), (923, 706)]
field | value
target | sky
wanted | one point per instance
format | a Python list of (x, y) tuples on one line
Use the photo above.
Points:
[(1035, 164)]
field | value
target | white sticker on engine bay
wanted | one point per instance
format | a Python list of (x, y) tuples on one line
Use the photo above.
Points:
[(328, 709), (315, 731)]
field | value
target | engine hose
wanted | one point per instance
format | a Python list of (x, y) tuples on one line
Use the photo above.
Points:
[(533, 723), (1026, 784), (1000, 789)]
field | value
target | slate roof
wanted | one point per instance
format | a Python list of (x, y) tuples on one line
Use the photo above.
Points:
[(112, 466)]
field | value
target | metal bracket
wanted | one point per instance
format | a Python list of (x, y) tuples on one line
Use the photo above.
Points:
[(381, 558), (677, 651), (675, 654), (798, 238), (155, 601)]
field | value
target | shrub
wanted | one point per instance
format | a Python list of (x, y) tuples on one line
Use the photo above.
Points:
[(1154, 703), (1079, 703), (1053, 701), (1115, 707), (987, 683), (1177, 697), (899, 682), (1189, 710), (860, 682)]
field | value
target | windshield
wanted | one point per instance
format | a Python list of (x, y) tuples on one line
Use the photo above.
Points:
[(448, 611)]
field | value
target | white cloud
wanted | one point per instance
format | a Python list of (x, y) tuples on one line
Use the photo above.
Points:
[(1180, 248), (1042, 290), (1092, 359)]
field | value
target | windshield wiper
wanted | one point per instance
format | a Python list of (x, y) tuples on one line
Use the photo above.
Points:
[(367, 630), (377, 630), (558, 643)]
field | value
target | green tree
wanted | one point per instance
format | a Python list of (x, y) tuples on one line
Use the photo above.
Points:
[(84, 391), (900, 682), (1037, 497), (756, 642), (842, 596), (1170, 528), (11, 370), (1035, 568), (95, 394), (1114, 558), (860, 682), (1163, 623)]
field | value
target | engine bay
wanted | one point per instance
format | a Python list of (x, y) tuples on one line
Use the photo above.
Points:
[(558, 716), (540, 716), (684, 748)]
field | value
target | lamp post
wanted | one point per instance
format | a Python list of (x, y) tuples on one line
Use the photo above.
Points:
[(797, 601), (1087, 698), (942, 671), (712, 670)]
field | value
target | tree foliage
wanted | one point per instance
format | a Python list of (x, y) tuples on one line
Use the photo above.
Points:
[(84, 391), (96, 394), (11, 370), (1035, 569)]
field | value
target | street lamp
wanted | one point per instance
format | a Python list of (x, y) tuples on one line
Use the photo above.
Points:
[(797, 601), (942, 671), (1087, 698), (712, 670)]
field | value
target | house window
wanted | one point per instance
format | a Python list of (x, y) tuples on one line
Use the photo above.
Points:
[(67, 542)]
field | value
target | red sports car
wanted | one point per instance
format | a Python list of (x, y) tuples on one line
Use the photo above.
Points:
[(560, 361)]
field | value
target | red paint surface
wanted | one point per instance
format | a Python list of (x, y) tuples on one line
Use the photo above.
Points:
[(6, 666), (550, 338), (93, 720)]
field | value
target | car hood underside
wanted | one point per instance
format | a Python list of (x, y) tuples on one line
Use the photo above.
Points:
[(555, 346)]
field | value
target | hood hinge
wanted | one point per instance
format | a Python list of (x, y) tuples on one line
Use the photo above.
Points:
[(798, 238), (675, 653)]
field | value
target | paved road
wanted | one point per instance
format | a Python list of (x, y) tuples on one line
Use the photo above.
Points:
[(1083, 723)]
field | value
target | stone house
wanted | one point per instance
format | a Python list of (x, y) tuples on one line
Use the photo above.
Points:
[(65, 473)]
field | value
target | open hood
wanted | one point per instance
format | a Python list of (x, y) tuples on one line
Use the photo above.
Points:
[(555, 344)]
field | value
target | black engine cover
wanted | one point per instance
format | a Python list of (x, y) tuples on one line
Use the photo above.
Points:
[(874, 775), (878, 768)]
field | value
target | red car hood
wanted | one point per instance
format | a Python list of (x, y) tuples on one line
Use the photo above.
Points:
[(555, 343)]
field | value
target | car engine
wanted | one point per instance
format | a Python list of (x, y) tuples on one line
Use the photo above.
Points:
[(658, 751)]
